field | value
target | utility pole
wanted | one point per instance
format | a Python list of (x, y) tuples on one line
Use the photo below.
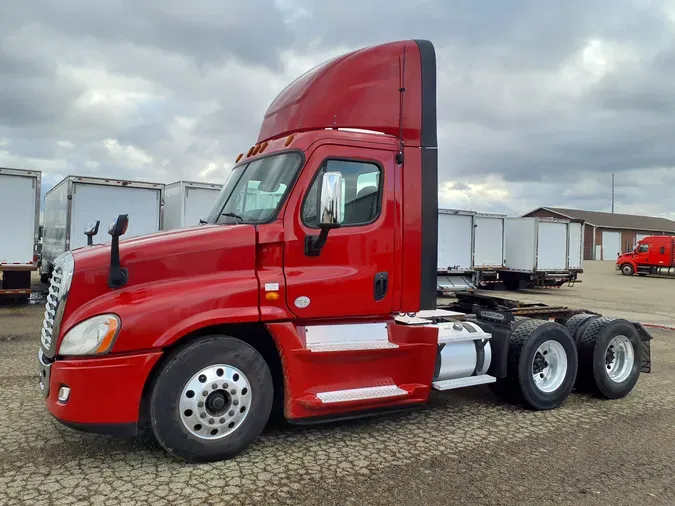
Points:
[(612, 193)]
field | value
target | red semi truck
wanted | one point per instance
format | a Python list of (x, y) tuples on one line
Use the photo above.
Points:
[(654, 255), (309, 291)]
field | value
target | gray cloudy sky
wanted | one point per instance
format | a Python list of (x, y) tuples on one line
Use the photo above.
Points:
[(539, 102)]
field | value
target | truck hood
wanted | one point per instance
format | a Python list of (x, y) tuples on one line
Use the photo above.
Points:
[(624, 257), (178, 248)]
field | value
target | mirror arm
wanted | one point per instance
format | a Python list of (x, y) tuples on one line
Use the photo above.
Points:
[(117, 277), (314, 244)]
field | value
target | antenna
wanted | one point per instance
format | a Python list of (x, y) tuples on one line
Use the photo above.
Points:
[(612, 193), (401, 90)]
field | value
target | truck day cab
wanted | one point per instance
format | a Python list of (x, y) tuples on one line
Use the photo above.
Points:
[(653, 255), (316, 299)]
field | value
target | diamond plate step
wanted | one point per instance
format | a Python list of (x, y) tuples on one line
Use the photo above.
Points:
[(463, 382), (358, 394), (351, 346)]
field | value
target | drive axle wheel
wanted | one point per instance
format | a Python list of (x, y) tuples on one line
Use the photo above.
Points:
[(211, 399), (610, 358), (541, 366), (578, 323), (627, 269)]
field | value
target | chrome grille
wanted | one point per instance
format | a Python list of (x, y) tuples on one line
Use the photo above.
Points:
[(50, 320)]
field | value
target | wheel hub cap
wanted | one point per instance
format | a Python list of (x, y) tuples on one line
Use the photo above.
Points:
[(549, 366), (215, 401), (619, 358)]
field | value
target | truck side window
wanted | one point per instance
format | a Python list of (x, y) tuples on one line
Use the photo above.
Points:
[(662, 250), (361, 192), (643, 248)]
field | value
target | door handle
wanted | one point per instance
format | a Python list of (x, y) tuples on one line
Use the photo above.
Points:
[(381, 285)]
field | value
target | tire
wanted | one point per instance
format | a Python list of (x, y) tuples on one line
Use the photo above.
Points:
[(594, 375), (247, 399), (627, 270), (577, 325), (524, 346)]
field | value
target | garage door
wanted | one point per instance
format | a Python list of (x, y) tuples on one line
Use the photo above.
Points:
[(611, 244)]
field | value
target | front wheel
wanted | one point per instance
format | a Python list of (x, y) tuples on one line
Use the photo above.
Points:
[(211, 399), (627, 270)]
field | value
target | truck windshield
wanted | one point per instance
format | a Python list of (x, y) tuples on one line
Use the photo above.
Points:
[(254, 191)]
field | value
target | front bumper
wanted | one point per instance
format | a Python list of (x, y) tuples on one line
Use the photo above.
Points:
[(105, 392)]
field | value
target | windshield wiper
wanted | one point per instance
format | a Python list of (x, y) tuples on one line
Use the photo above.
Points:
[(203, 222), (235, 216)]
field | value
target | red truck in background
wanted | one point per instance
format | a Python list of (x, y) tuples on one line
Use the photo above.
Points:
[(653, 255), (310, 289)]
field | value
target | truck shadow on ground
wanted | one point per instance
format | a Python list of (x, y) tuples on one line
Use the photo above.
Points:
[(100, 447)]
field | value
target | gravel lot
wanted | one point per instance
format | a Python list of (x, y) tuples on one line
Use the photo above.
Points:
[(465, 447)]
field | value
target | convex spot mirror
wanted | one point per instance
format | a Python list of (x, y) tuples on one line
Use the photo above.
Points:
[(91, 230), (119, 225)]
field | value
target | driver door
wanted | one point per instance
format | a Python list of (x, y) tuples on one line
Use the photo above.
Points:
[(354, 274)]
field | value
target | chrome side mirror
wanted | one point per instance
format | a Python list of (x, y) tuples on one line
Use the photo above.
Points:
[(330, 212), (330, 207)]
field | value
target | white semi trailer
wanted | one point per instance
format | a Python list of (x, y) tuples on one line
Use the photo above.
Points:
[(470, 249), (188, 202), (77, 201), (542, 252), (20, 192)]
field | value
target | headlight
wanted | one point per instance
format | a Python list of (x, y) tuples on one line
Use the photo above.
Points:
[(91, 337)]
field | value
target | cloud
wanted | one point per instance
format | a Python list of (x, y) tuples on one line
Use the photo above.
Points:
[(539, 102)]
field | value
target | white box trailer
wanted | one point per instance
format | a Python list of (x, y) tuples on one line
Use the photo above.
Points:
[(187, 202), (537, 253), (20, 192), (488, 241), (77, 201), (575, 255), (470, 250), (455, 240)]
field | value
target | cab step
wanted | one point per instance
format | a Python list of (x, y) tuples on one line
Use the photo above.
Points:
[(351, 346), (360, 394), (469, 381)]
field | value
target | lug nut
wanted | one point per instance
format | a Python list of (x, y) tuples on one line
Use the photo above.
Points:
[(235, 402), (203, 415), (222, 420), (211, 420), (200, 404), (231, 413)]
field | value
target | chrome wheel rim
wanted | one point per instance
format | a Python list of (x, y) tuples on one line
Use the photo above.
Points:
[(619, 358), (549, 366), (215, 401)]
